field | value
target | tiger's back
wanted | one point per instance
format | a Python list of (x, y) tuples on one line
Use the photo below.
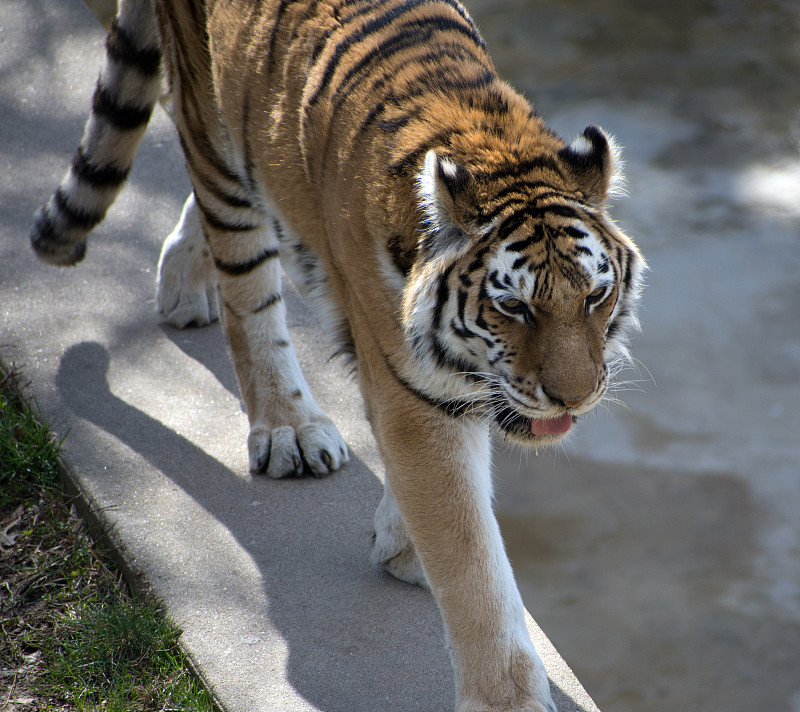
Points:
[(458, 248)]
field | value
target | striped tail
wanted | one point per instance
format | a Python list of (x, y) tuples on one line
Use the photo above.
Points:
[(127, 90)]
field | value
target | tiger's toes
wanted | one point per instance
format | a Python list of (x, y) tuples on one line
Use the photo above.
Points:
[(315, 448), (397, 555)]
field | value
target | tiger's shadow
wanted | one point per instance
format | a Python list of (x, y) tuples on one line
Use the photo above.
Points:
[(350, 629)]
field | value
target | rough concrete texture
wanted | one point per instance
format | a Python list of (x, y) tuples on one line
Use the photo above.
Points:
[(659, 548), (270, 581)]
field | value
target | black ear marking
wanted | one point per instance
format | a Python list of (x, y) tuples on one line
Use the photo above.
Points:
[(453, 176), (444, 196), (590, 160)]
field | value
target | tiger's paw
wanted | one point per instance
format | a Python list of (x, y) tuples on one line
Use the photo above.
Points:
[(187, 279), (315, 448), (391, 546), (404, 565)]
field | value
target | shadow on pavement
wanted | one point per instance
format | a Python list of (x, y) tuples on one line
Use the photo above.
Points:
[(347, 631)]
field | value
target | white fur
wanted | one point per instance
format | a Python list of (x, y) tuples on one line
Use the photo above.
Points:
[(186, 290)]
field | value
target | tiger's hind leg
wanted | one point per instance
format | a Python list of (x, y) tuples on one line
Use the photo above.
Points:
[(289, 433), (392, 547), (187, 279)]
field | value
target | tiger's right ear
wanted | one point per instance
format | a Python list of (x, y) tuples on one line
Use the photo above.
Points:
[(441, 186)]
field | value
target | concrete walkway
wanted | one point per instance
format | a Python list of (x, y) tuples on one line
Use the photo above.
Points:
[(270, 581)]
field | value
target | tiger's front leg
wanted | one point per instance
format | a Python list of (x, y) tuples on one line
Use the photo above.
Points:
[(289, 433), (438, 472)]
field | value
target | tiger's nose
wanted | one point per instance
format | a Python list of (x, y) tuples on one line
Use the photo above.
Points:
[(565, 402)]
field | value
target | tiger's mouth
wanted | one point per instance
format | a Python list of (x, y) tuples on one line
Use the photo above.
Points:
[(527, 430)]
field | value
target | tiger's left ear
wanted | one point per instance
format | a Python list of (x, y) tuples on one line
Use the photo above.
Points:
[(594, 162), (441, 188)]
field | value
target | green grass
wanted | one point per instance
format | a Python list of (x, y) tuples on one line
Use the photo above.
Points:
[(71, 635)]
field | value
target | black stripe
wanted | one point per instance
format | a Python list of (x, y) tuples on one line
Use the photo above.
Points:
[(442, 295), (614, 328), (489, 102), (448, 84), (376, 24), (247, 157), (495, 281), (464, 332), (219, 224), (122, 48), (514, 221), (410, 34), (85, 219), (452, 408), (457, 53), (445, 359), (627, 277), (444, 59), (461, 302), (46, 241), (275, 30), (480, 321), (571, 269), (575, 233), (517, 193), (271, 300), (516, 169), (107, 176), (371, 26), (202, 145), (122, 116), (370, 5), (233, 201), (237, 268)]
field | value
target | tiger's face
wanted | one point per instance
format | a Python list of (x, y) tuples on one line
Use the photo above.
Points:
[(528, 309)]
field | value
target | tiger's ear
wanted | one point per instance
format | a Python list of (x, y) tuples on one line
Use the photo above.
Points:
[(594, 163), (442, 186)]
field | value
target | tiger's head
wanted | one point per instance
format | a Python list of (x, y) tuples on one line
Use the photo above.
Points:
[(523, 289)]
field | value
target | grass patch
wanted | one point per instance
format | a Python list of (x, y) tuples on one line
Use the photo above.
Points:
[(71, 635)]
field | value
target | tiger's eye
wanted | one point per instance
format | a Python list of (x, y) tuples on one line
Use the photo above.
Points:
[(595, 296), (511, 305), (514, 306)]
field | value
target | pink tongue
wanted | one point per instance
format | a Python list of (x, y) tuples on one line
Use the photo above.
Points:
[(555, 426)]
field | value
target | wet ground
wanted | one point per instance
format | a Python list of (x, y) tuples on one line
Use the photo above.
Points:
[(660, 548)]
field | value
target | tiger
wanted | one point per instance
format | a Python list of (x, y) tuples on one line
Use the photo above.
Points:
[(459, 250)]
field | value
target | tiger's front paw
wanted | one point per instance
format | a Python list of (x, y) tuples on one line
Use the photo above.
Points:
[(315, 448), (511, 681)]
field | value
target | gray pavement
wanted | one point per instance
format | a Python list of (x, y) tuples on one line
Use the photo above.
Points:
[(270, 581)]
